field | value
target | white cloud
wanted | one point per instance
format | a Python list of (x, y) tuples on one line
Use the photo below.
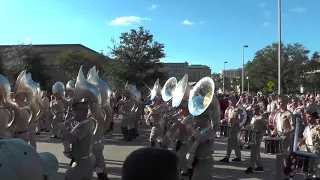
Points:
[(263, 4), (128, 20), (153, 7), (189, 23), (299, 10), (266, 24), (27, 38)]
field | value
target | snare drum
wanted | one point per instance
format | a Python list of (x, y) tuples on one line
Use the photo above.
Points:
[(306, 161), (224, 130), (273, 145), (248, 136)]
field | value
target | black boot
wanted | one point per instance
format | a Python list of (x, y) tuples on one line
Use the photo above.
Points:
[(111, 126), (124, 132), (129, 136), (102, 176), (152, 144)]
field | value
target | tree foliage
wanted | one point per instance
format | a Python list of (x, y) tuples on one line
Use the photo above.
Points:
[(136, 60), (20, 57), (218, 82), (70, 62), (264, 67)]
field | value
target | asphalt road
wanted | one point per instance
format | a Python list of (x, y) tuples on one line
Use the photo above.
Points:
[(116, 151)]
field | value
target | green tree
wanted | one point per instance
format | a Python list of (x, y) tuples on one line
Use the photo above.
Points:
[(218, 82), (315, 56), (264, 67), (136, 60), (311, 76), (70, 62), (20, 57)]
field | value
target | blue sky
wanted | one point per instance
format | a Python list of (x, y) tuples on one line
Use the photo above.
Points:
[(197, 31)]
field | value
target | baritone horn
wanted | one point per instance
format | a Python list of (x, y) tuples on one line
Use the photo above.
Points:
[(168, 89)]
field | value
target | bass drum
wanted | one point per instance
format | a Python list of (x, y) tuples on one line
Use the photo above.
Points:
[(242, 115)]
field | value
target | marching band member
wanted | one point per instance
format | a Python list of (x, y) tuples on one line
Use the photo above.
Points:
[(233, 142), (58, 108), (312, 132), (259, 124), (101, 111), (179, 143), (274, 103), (126, 106), (46, 111), (155, 117), (5, 118), (286, 123), (82, 164), (69, 96), (312, 103), (21, 126)]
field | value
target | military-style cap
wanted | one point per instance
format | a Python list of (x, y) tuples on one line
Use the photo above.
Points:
[(20, 161)]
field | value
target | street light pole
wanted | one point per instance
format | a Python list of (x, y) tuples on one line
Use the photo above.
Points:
[(279, 47), (224, 70), (242, 79)]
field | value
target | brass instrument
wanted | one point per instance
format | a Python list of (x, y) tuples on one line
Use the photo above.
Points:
[(181, 92), (156, 90), (24, 84), (100, 115), (70, 86), (5, 91), (202, 102), (58, 92), (86, 90), (168, 89), (37, 105), (133, 94)]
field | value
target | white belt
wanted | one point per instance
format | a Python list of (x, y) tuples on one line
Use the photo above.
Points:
[(85, 157), (208, 157), (97, 142)]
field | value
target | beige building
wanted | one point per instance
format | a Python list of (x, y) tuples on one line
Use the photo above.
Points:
[(231, 73), (178, 70), (197, 72), (50, 52)]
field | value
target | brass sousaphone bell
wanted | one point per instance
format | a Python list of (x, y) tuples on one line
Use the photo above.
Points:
[(24, 84), (181, 92), (70, 86), (86, 90), (156, 90), (200, 97), (5, 91), (168, 89), (58, 90)]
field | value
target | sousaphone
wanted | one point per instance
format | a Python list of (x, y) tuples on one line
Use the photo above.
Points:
[(181, 92), (156, 90), (168, 89)]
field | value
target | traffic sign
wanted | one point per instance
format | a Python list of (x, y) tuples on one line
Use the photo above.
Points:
[(270, 86)]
